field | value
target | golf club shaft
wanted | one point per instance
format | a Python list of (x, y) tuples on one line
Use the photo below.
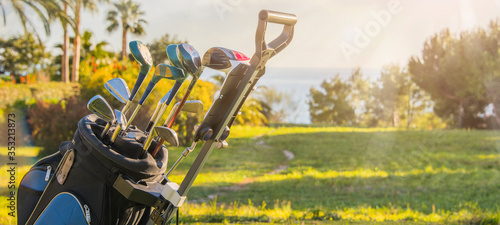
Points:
[(132, 117), (176, 113), (126, 107), (115, 134), (106, 128)]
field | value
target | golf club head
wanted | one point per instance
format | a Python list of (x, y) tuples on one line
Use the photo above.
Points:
[(118, 88), (219, 58), (168, 134), (141, 53), (193, 106), (99, 106), (189, 57), (162, 70), (120, 119), (172, 55)]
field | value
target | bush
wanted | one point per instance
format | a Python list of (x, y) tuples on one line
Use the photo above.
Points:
[(52, 124), (16, 94)]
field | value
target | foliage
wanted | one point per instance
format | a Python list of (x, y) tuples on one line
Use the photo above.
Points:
[(48, 130), (330, 104), (456, 71), (23, 95), (127, 13), (276, 105), (46, 11), (158, 46), (398, 101), (392, 100), (21, 55)]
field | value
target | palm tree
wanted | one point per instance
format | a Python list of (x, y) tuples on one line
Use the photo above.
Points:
[(35, 5), (130, 21), (77, 6), (53, 11)]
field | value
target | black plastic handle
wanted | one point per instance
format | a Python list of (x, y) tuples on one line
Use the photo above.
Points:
[(279, 43), (278, 17)]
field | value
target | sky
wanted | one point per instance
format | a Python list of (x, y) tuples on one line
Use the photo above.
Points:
[(328, 34)]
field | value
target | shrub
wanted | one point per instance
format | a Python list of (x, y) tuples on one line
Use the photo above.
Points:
[(52, 124)]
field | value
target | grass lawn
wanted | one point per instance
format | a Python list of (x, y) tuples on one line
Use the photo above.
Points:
[(345, 176)]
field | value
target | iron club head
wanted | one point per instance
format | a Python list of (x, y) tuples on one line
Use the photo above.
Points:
[(99, 106), (118, 88), (168, 134)]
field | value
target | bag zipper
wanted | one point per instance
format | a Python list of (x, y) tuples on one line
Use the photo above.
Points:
[(87, 213), (47, 175)]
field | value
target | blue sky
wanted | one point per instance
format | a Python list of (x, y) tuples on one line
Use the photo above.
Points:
[(325, 31)]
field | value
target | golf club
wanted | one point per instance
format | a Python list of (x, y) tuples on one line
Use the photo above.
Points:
[(217, 58), (142, 55), (120, 124), (193, 106), (161, 71), (119, 89), (99, 106), (168, 134), (172, 55), (157, 110), (223, 59)]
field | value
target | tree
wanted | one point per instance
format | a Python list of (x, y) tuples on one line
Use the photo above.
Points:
[(330, 104), (276, 105), (22, 55), (77, 6), (130, 21), (157, 47), (37, 6), (455, 71)]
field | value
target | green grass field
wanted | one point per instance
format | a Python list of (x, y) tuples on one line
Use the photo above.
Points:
[(345, 176)]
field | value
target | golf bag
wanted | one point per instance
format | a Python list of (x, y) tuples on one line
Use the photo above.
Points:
[(75, 185)]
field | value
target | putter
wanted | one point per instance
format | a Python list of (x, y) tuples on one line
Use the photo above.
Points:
[(99, 106), (119, 89), (142, 55), (120, 124)]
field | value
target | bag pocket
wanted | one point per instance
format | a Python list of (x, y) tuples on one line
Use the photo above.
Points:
[(66, 208), (31, 188)]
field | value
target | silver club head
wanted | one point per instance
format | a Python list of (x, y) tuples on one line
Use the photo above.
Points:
[(193, 106), (119, 89), (99, 106), (120, 119), (168, 134)]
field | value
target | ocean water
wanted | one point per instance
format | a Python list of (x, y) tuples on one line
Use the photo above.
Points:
[(297, 83)]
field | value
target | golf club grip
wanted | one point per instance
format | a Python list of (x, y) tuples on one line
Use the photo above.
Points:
[(137, 85), (150, 126), (148, 90), (278, 17), (174, 90)]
